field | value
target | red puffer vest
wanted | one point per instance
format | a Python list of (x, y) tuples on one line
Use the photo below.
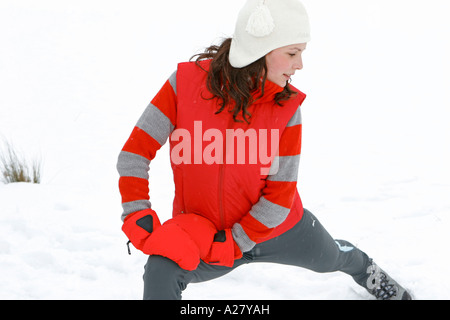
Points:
[(221, 166)]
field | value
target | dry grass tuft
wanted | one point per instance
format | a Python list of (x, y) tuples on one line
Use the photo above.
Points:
[(15, 168)]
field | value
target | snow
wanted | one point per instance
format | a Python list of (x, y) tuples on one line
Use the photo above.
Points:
[(76, 75)]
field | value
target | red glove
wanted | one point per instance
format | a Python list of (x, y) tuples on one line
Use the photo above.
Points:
[(185, 239), (139, 225), (224, 249)]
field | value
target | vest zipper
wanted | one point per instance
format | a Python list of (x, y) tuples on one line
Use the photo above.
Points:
[(222, 178), (220, 196)]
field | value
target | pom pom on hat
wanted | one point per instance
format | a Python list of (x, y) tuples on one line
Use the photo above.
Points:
[(260, 23), (265, 25)]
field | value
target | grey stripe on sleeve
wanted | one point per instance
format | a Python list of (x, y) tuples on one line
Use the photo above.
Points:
[(296, 118), (240, 237), (134, 206), (173, 81), (268, 213), (287, 168), (156, 124), (132, 165)]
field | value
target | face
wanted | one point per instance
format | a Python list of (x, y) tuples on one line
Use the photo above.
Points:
[(283, 62)]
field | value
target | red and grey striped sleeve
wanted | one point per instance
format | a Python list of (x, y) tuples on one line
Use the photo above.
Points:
[(148, 136), (278, 194)]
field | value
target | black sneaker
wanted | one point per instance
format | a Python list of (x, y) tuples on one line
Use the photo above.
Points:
[(382, 286)]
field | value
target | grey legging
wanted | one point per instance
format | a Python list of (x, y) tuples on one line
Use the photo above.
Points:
[(307, 245)]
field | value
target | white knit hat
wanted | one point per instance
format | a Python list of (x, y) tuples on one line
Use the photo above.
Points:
[(265, 25)]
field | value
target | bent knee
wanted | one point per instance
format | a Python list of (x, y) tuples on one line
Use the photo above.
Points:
[(163, 279)]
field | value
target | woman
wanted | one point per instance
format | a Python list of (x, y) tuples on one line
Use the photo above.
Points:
[(234, 125)]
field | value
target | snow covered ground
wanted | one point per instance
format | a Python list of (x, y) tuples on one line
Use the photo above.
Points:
[(76, 75)]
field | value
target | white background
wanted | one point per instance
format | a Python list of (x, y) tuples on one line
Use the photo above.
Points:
[(76, 75)]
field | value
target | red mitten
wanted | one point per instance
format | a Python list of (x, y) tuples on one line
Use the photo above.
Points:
[(172, 242), (224, 249), (138, 226), (185, 239), (199, 229)]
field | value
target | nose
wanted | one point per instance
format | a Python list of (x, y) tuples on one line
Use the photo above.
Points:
[(298, 64)]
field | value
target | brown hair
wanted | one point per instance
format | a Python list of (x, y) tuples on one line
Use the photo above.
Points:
[(234, 87)]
